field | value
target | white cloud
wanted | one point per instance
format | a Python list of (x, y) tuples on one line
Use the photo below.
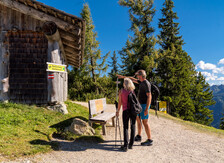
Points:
[(221, 70), (206, 74), (213, 73), (221, 78), (221, 61), (209, 76), (216, 70), (206, 66)]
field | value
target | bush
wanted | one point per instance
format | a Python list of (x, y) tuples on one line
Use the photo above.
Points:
[(83, 88)]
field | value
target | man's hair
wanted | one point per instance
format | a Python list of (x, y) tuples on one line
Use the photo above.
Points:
[(141, 73), (128, 84)]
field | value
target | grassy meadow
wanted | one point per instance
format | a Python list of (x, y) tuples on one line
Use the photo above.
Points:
[(27, 130)]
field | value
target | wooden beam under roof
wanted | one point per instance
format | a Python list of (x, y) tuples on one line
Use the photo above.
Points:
[(37, 14)]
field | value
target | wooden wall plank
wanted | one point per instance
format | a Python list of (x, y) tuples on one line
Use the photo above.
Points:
[(3, 68), (1, 19), (4, 12), (28, 83)]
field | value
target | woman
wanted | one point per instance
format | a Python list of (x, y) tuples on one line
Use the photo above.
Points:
[(123, 100)]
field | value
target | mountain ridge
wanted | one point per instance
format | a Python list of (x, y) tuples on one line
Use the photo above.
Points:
[(218, 108)]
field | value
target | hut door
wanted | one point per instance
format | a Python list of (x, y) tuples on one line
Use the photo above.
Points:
[(28, 57)]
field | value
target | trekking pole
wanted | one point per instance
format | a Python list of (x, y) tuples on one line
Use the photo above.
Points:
[(116, 104), (116, 132), (117, 118), (156, 109), (119, 131)]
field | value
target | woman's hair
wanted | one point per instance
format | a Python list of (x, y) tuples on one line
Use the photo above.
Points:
[(128, 84)]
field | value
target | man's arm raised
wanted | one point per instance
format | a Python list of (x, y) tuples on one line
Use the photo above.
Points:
[(132, 78)]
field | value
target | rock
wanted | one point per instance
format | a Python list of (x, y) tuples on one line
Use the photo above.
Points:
[(59, 107), (80, 127)]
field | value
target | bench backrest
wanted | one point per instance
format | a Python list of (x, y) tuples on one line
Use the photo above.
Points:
[(97, 106)]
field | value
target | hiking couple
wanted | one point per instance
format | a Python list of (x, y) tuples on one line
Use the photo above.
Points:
[(144, 97)]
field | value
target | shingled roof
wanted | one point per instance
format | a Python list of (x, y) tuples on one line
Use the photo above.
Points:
[(71, 28)]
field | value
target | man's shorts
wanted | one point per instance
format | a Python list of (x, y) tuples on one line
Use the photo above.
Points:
[(142, 116)]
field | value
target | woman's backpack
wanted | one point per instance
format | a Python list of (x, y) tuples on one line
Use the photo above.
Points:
[(155, 94), (133, 104)]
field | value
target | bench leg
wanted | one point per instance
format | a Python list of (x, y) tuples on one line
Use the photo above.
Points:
[(104, 128), (90, 124), (113, 121)]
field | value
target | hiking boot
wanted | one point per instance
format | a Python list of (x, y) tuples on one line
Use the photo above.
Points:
[(138, 138), (124, 148), (148, 142)]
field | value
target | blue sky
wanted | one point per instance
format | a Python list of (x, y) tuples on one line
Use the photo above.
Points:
[(201, 25)]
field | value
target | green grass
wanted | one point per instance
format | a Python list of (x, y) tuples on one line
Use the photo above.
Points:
[(192, 125), (27, 130)]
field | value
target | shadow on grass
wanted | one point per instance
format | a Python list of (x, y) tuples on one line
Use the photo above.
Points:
[(81, 143), (54, 144)]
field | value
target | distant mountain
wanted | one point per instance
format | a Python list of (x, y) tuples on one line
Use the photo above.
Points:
[(218, 108)]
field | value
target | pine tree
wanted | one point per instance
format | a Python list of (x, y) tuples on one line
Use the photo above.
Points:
[(169, 29), (85, 82), (188, 93), (202, 97), (222, 123), (139, 52), (175, 69), (114, 65), (174, 77), (92, 53)]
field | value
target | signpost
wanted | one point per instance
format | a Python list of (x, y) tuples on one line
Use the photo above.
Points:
[(163, 106), (53, 67)]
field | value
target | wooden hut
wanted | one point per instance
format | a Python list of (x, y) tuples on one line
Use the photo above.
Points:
[(37, 43)]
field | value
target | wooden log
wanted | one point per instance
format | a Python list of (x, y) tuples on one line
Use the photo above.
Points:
[(73, 63), (69, 37), (75, 59), (83, 42), (65, 85), (76, 56), (52, 11), (56, 89), (37, 14), (51, 31), (50, 28), (71, 44), (9, 19), (72, 50)]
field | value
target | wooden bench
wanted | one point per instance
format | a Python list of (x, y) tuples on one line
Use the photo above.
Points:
[(98, 114)]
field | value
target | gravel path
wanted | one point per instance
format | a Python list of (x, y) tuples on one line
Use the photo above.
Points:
[(173, 142)]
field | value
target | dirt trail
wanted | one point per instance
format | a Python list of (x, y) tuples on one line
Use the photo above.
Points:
[(173, 142)]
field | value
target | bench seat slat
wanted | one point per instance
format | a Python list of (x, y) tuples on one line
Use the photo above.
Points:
[(103, 117)]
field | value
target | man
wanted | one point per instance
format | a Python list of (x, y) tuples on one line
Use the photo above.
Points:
[(144, 97)]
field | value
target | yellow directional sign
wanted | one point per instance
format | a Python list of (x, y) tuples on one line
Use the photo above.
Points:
[(162, 106), (56, 67)]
